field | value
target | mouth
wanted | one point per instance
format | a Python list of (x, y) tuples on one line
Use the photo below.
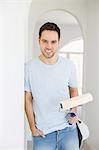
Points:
[(48, 51)]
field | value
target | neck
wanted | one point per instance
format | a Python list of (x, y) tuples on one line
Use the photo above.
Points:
[(52, 60)]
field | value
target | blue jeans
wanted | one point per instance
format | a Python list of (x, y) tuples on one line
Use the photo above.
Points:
[(65, 139)]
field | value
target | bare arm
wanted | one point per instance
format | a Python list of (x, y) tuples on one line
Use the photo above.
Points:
[(73, 92), (29, 109), (30, 114)]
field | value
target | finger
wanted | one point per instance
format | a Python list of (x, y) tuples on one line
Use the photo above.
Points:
[(41, 133), (72, 120), (37, 133)]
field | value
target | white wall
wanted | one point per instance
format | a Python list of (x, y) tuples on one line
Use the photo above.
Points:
[(13, 19), (91, 71)]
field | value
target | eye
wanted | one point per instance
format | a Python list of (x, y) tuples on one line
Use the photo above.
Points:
[(54, 42), (45, 41)]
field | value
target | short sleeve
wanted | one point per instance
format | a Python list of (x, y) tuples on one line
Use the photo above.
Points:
[(27, 86), (73, 76)]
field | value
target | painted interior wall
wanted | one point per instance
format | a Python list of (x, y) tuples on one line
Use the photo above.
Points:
[(13, 19), (91, 71)]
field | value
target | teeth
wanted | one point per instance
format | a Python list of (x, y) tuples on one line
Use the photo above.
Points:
[(48, 51)]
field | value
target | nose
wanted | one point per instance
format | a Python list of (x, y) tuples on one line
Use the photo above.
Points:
[(49, 45)]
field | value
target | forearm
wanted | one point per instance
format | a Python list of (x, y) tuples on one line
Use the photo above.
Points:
[(29, 111), (73, 93), (31, 116)]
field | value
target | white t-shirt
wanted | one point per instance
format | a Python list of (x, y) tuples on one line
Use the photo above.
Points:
[(48, 84)]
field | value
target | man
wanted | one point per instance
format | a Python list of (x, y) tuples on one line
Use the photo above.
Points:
[(48, 80)]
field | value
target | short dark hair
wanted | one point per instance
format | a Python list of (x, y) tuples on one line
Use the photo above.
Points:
[(49, 26)]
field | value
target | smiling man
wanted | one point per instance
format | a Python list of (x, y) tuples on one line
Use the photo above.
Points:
[(48, 80)]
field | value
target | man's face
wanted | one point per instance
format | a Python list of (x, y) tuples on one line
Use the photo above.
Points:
[(49, 43)]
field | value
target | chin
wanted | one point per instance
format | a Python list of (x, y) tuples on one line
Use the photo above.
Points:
[(49, 56)]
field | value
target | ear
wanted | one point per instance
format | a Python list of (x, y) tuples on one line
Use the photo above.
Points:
[(59, 41)]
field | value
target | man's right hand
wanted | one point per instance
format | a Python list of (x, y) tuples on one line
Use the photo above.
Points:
[(37, 132)]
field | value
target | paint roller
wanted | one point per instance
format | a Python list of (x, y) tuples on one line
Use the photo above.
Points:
[(75, 101)]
